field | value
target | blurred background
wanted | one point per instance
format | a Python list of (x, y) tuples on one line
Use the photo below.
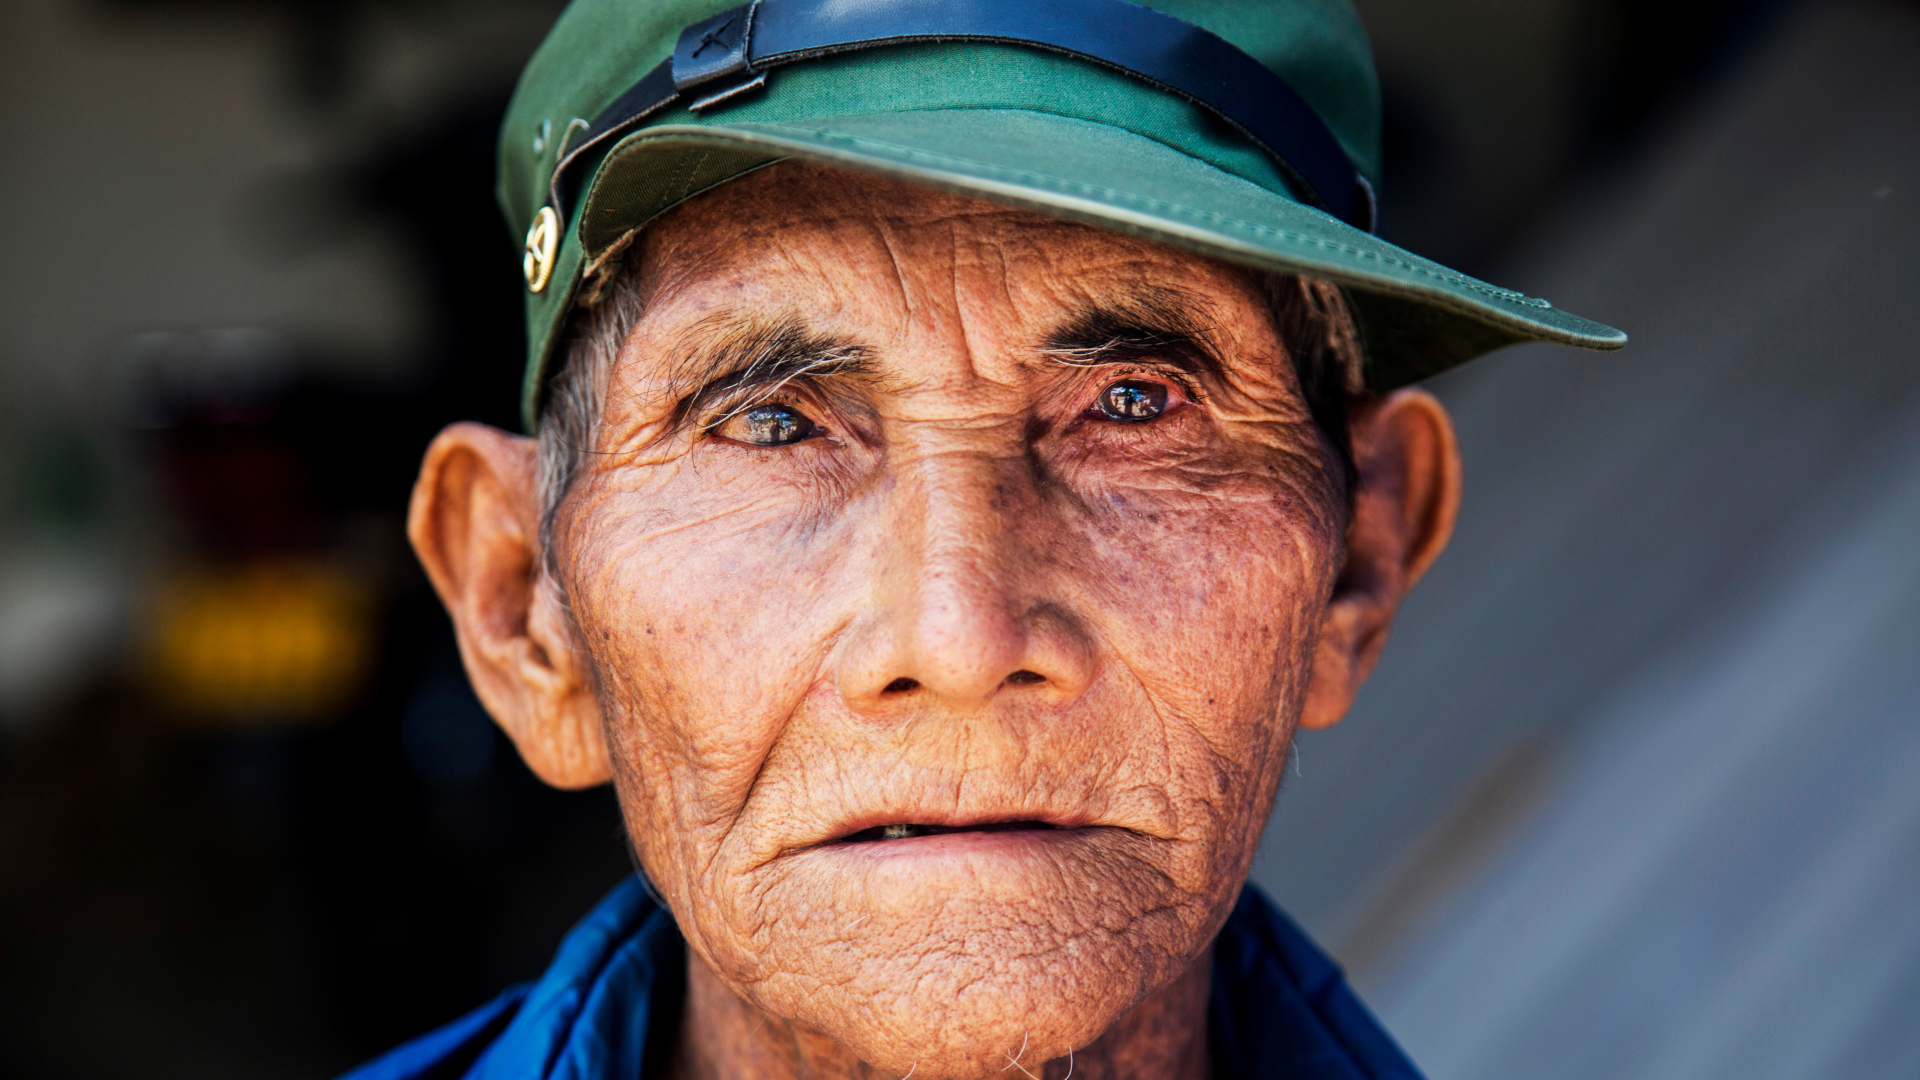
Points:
[(1635, 791)]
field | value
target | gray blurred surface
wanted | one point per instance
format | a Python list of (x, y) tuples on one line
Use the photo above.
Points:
[(1636, 789)]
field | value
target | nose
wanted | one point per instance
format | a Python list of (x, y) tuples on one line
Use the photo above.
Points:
[(961, 611)]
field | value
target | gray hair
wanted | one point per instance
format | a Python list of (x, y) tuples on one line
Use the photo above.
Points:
[(1312, 318)]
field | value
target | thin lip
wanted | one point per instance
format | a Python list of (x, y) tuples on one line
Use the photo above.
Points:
[(956, 824), (994, 846)]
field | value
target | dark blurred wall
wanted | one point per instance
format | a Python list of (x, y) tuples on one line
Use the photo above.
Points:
[(252, 819), (1495, 106)]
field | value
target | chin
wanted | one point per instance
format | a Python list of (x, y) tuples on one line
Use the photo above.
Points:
[(974, 1023), (943, 953)]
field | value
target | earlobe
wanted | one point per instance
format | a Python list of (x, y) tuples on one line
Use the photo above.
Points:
[(474, 522), (1403, 514)]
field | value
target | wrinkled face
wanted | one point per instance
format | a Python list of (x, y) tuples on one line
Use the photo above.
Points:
[(951, 576)]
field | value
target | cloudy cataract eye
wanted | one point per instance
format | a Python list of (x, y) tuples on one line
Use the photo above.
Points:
[(1133, 400), (774, 425)]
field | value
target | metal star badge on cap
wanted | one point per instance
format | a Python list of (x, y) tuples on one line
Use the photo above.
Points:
[(543, 239)]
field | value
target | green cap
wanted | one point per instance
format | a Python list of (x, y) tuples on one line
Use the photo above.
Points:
[(1031, 126)]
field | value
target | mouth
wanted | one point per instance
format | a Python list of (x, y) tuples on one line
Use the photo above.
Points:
[(909, 831)]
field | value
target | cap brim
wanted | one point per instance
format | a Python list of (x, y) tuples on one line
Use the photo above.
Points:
[(1418, 317)]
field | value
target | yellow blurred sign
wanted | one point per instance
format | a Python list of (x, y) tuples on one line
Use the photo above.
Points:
[(264, 644)]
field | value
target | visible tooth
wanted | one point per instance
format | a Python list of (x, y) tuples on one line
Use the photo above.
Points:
[(899, 832)]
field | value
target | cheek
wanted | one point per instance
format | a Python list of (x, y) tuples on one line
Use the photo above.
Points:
[(673, 595), (1219, 568), (1211, 587)]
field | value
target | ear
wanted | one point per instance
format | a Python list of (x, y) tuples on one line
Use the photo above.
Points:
[(474, 522), (1403, 513)]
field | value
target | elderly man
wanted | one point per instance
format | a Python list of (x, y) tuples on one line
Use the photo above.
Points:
[(970, 439)]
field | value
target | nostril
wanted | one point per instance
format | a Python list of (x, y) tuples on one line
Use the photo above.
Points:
[(901, 686), (1023, 677)]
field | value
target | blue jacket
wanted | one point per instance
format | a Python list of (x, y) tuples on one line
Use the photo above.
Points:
[(1279, 1008)]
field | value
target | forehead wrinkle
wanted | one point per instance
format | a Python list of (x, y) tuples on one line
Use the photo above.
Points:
[(997, 244), (1013, 281), (882, 228), (991, 262), (925, 253)]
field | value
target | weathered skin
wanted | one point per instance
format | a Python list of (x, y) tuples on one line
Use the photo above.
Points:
[(969, 599)]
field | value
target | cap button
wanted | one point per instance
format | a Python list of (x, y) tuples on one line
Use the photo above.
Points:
[(543, 240)]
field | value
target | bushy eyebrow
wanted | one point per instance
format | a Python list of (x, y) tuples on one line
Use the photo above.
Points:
[(745, 359), (1159, 324)]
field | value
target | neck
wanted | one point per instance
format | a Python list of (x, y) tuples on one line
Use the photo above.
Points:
[(725, 1038)]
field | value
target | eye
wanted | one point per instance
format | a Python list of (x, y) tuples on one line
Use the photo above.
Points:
[(769, 425), (1132, 400)]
